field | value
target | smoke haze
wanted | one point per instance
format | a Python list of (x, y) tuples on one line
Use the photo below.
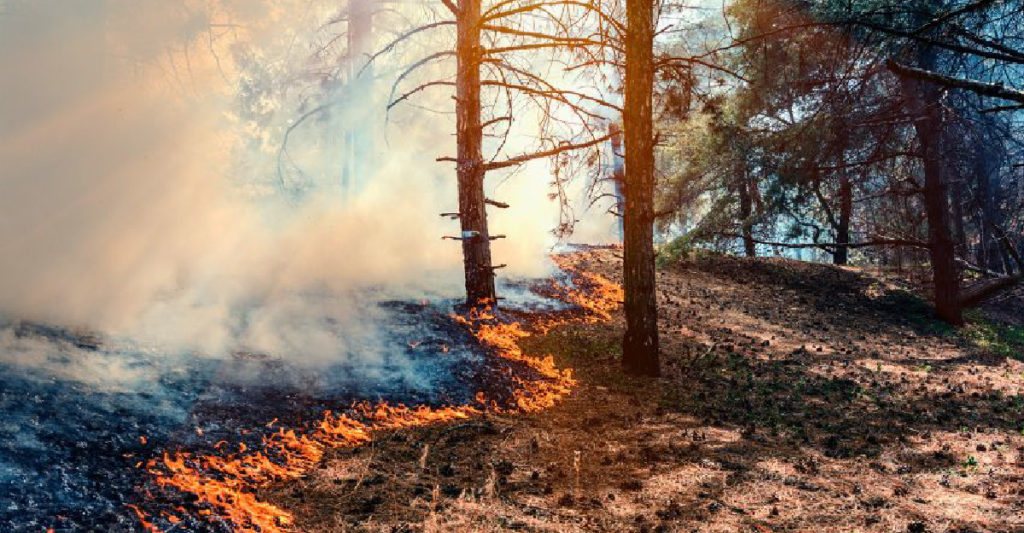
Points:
[(142, 197)]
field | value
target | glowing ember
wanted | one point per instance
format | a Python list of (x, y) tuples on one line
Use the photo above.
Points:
[(222, 486)]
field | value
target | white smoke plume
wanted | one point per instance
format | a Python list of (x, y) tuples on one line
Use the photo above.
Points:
[(141, 196)]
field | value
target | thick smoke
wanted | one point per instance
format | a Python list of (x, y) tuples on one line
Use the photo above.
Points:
[(142, 197)]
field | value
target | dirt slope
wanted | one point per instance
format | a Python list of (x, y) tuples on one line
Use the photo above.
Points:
[(797, 397)]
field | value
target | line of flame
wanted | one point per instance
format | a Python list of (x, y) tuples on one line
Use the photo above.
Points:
[(223, 486)]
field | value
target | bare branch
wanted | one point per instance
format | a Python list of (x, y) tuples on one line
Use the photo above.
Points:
[(697, 61), (451, 6), (494, 121), (558, 95), (391, 45), (973, 6), (995, 90), (999, 56), (494, 13), (564, 147), (419, 88), (283, 149), (412, 68), (564, 41)]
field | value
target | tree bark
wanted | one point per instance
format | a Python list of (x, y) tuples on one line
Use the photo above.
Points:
[(988, 256), (743, 188), (924, 104), (956, 198), (640, 343), (476, 243), (841, 256), (981, 253)]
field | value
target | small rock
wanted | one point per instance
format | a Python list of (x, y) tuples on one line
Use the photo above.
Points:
[(916, 527)]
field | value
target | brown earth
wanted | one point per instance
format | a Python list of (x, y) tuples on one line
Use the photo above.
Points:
[(796, 397)]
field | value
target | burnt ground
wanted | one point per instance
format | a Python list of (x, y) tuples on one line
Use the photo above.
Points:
[(71, 444), (796, 397)]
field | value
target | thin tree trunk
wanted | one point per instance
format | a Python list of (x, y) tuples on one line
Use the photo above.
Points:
[(618, 174), (956, 198), (842, 254), (476, 244), (981, 256), (743, 188), (981, 253), (640, 343), (358, 137), (987, 255)]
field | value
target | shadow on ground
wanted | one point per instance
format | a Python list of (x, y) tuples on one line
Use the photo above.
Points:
[(796, 397)]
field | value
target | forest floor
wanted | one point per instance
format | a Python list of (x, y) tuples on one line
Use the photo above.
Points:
[(796, 397)]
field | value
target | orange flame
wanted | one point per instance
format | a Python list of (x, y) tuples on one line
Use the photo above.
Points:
[(223, 485)]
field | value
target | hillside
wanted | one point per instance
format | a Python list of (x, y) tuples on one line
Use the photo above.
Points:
[(796, 397)]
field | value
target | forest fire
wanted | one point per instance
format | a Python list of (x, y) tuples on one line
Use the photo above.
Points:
[(257, 257), (220, 487)]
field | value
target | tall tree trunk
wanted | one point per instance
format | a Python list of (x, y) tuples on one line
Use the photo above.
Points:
[(476, 243), (640, 343), (358, 136), (956, 199), (981, 253), (618, 174), (923, 100), (746, 215), (988, 256), (842, 254)]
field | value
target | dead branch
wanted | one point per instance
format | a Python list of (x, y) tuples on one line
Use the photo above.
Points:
[(417, 89), (565, 41), (494, 121), (669, 61), (565, 147), (995, 90), (967, 265), (391, 45), (973, 6), (1004, 239), (984, 290), (557, 95), (413, 67), (451, 6), (494, 13)]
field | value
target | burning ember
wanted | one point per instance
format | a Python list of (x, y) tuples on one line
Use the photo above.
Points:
[(219, 487)]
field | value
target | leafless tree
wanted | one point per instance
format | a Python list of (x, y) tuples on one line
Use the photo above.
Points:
[(489, 41)]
